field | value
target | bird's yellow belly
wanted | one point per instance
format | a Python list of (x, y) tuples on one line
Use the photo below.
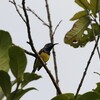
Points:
[(45, 56)]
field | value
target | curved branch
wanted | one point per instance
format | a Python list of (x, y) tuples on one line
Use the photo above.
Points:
[(86, 69), (33, 48)]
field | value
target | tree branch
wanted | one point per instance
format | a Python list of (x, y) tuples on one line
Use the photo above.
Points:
[(56, 28), (33, 12), (97, 73), (52, 41), (33, 48), (14, 3), (86, 69), (29, 53)]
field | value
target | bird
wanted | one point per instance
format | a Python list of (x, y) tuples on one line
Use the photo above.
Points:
[(44, 54)]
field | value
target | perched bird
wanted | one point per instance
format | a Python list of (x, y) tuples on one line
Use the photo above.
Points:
[(44, 54)]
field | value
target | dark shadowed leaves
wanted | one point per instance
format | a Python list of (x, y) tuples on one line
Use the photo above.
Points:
[(67, 96), (97, 89), (17, 95), (89, 96), (5, 83)]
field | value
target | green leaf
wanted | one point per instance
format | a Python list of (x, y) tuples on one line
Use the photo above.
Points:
[(28, 77), (18, 61), (90, 35), (89, 96), (98, 5), (5, 83), (83, 3), (17, 95), (97, 89), (96, 29), (67, 96), (76, 36), (94, 6), (5, 43), (79, 15), (1, 94)]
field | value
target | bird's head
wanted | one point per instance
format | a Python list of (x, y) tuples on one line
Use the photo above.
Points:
[(49, 46)]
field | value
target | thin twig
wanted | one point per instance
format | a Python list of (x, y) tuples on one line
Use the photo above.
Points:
[(52, 41), (14, 3), (97, 73), (28, 26), (33, 49), (33, 12), (56, 28), (49, 20), (86, 69), (29, 53)]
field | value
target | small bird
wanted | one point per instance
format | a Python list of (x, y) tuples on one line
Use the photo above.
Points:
[(44, 54)]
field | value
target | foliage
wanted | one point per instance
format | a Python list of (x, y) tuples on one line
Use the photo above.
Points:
[(81, 33), (14, 57), (4, 47), (67, 96), (91, 95)]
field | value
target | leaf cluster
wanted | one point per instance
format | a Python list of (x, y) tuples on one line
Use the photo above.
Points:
[(13, 57), (86, 27)]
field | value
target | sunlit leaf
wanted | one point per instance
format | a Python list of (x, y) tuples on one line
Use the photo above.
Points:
[(18, 61), (94, 6), (89, 96), (5, 43), (83, 3), (67, 96), (17, 95), (75, 36), (28, 77), (79, 15), (5, 83)]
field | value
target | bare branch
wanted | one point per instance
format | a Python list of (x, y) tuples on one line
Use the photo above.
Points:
[(49, 20), (33, 49), (56, 28), (97, 73), (86, 69), (29, 53), (28, 25), (14, 3), (52, 41), (33, 12)]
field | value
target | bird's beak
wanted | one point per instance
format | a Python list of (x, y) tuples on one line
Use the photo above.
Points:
[(55, 43)]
